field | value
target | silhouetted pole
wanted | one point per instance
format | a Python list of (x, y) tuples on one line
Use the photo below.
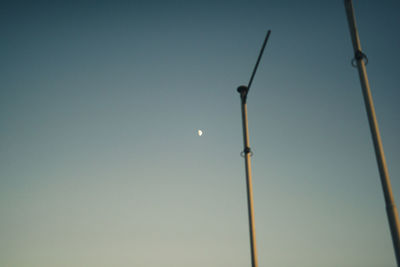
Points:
[(391, 210), (243, 90)]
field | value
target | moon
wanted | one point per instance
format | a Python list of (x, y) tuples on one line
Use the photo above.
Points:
[(200, 132)]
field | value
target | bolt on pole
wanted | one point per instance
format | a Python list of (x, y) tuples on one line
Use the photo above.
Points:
[(391, 209)]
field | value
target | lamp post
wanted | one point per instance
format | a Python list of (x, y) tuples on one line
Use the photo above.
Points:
[(359, 57), (243, 91)]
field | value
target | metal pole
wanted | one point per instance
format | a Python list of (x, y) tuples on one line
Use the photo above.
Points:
[(391, 210), (243, 90)]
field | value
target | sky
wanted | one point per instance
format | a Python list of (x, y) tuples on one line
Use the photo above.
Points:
[(101, 164)]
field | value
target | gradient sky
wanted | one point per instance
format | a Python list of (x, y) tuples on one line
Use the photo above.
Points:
[(101, 165)]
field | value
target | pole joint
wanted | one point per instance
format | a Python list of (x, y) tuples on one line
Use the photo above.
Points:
[(359, 55), (246, 151), (243, 90)]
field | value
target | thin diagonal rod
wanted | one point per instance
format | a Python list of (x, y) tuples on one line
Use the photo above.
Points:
[(258, 60)]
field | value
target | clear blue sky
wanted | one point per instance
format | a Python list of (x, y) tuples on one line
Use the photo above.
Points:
[(101, 165)]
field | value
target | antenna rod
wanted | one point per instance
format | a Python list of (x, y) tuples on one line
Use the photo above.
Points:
[(243, 90), (391, 210), (258, 60)]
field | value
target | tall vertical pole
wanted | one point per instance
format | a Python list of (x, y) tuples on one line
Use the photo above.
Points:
[(391, 210), (243, 90)]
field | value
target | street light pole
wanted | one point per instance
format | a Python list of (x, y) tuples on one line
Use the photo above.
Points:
[(391, 210), (243, 91)]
